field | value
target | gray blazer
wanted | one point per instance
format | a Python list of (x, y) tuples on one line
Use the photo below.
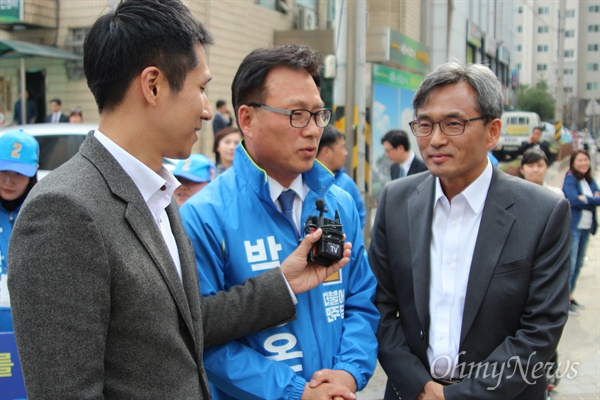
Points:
[(98, 307), (517, 294)]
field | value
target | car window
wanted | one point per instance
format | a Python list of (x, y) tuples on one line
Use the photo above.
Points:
[(56, 150)]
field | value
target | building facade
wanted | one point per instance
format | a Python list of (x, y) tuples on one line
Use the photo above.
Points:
[(537, 54)]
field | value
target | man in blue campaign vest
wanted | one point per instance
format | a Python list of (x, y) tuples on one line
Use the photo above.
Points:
[(238, 229), (332, 154), (19, 153)]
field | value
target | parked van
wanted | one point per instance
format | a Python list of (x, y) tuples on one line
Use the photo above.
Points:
[(516, 129)]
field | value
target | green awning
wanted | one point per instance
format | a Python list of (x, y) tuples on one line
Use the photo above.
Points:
[(19, 49)]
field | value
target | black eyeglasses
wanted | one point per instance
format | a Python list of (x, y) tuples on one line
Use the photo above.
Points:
[(299, 118), (451, 126)]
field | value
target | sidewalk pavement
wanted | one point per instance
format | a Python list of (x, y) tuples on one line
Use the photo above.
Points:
[(579, 348)]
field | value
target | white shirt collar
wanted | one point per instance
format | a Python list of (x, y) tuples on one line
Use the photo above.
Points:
[(298, 186), (147, 181), (475, 193)]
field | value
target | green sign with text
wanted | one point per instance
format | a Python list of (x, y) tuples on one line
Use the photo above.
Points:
[(11, 11), (395, 78)]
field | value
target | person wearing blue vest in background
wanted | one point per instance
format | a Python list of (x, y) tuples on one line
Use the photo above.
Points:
[(19, 153), (18, 173), (332, 154), (194, 174)]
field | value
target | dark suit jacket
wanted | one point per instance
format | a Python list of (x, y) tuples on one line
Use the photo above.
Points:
[(415, 167), (517, 294), (63, 118), (98, 307)]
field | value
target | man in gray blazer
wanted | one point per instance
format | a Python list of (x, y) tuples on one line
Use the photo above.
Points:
[(102, 276), (473, 295)]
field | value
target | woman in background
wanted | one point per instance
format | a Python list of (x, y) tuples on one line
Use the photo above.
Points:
[(584, 196), (226, 140), (18, 174), (534, 166)]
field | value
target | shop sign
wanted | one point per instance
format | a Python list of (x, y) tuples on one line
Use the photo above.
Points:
[(11, 11)]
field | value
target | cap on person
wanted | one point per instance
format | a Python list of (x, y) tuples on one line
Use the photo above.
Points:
[(197, 168), (19, 152)]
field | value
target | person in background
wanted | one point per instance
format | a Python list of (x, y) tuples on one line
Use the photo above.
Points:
[(76, 116), (471, 263), (534, 165), (583, 194), (226, 141), (223, 117), (56, 115), (194, 174), (332, 154), (252, 216), (535, 142), (19, 152), (104, 286), (31, 111), (397, 150)]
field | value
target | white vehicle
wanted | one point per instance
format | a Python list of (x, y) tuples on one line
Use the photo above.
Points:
[(516, 129), (59, 142)]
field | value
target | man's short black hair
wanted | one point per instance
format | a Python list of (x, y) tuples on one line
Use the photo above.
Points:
[(220, 103), (57, 101), (395, 138), (248, 85), (331, 134), (136, 35)]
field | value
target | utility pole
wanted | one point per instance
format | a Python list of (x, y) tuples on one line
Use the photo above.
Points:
[(560, 77)]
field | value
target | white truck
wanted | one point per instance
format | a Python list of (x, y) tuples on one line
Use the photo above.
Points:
[(516, 128)]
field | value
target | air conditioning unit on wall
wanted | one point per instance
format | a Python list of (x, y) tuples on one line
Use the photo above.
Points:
[(307, 19)]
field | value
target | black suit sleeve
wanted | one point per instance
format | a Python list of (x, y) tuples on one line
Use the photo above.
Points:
[(405, 370)]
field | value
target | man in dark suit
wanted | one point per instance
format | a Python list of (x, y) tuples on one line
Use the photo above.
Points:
[(223, 117), (535, 142), (397, 149), (56, 115), (103, 279), (472, 264)]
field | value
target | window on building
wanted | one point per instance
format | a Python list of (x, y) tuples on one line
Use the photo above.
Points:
[(593, 47), (569, 71), (542, 67), (593, 28), (520, 28), (519, 48), (542, 48), (543, 10), (519, 66), (543, 29), (74, 44), (568, 89), (594, 8), (570, 13), (520, 9), (591, 85), (569, 53), (592, 67), (570, 33)]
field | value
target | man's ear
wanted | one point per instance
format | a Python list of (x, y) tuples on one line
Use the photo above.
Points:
[(493, 132), (246, 115), (151, 80)]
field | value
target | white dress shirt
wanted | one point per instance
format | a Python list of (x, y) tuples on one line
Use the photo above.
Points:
[(156, 189), (454, 233)]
